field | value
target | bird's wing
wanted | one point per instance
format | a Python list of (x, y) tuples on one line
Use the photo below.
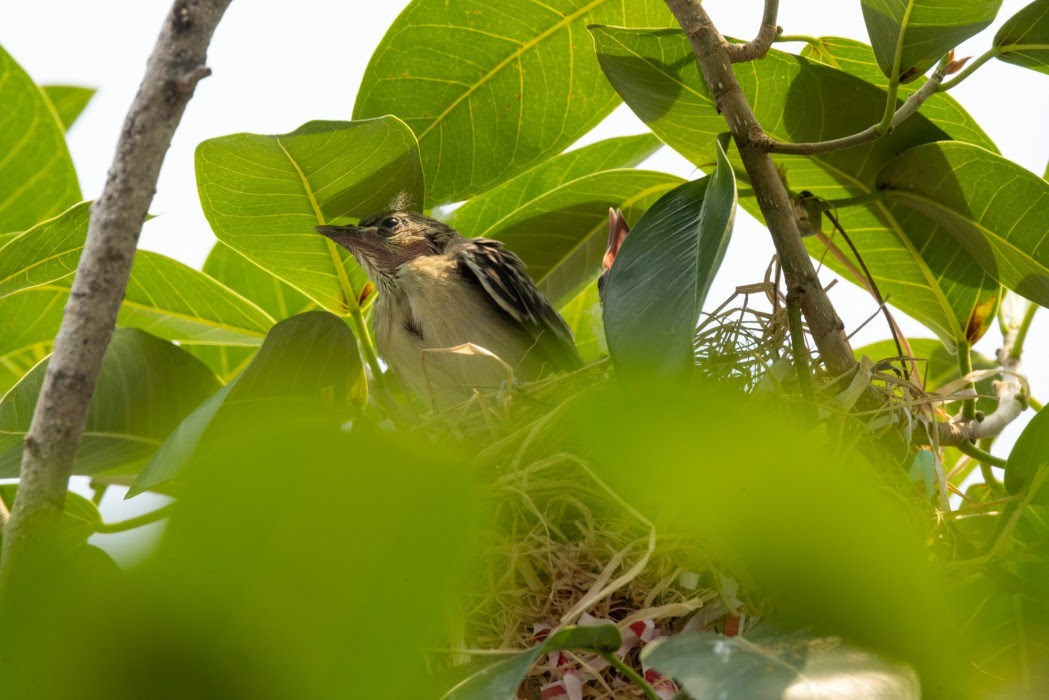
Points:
[(502, 277)]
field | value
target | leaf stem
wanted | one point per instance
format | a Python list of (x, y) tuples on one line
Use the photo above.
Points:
[(367, 346), (981, 456), (630, 673), (971, 68), (965, 366), (811, 40), (797, 346), (138, 521), (1021, 333)]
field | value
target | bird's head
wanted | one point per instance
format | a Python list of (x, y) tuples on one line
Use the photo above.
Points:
[(384, 242)]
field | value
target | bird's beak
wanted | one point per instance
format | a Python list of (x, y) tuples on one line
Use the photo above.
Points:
[(352, 238)]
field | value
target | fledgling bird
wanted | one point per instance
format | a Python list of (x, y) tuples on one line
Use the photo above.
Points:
[(439, 290)]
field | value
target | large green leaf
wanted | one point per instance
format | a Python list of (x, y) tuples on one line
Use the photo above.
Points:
[(29, 321), (38, 178), (921, 31), (276, 298), (263, 196), (713, 666), (491, 90), (996, 209), (1024, 38), (1030, 454), (556, 215), (144, 390), (69, 101), (915, 265), (310, 359), (500, 680), (45, 253), (659, 281)]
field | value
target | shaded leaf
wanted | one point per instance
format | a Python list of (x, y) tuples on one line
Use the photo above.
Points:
[(914, 264), (659, 281), (1029, 455), (145, 388), (526, 89), (712, 666), (306, 360), (37, 173), (555, 217), (583, 316), (922, 31), (993, 207), (263, 196), (69, 101), (500, 680), (45, 253), (80, 515), (1024, 38)]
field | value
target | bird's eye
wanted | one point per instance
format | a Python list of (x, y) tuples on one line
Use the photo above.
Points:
[(391, 223)]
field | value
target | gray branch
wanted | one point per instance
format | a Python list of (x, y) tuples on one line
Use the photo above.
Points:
[(172, 73), (760, 44)]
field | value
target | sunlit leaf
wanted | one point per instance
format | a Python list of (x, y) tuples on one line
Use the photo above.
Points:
[(922, 31), (502, 678), (991, 206), (1024, 38), (493, 90), (69, 101), (145, 388), (38, 178), (916, 266), (660, 278), (263, 196), (713, 666), (29, 321), (45, 253), (306, 359), (555, 216)]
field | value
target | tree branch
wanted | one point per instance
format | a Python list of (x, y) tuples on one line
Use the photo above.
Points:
[(759, 45), (172, 73), (712, 55), (873, 133)]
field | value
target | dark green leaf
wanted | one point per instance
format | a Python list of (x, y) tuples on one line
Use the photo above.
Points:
[(69, 101), (145, 388), (1029, 456), (38, 178), (493, 90), (1024, 38), (555, 216), (657, 286), (29, 321), (45, 253), (263, 196), (914, 264), (500, 680), (921, 31), (309, 359), (993, 207), (712, 666)]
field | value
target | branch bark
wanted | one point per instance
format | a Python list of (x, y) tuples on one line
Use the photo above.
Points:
[(759, 45), (713, 54), (172, 73)]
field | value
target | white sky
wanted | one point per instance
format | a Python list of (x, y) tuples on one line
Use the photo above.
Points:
[(278, 64)]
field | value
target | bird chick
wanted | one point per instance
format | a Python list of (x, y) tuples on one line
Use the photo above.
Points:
[(439, 290)]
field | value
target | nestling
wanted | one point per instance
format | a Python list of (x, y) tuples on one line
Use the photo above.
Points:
[(439, 290)]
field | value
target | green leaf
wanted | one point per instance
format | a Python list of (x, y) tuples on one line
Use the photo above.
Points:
[(1029, 455), (263, 196), (68, 100), (45, 253), (914, 264), (145, 388), (492, 91), (712, 666), (660, 278), (993, 207), (37, 173), (29, 322), (276, 298), (921, 31), (555, 217), (1024, 38), (583, 316), (500, 680), (80, 515), (309, 359)]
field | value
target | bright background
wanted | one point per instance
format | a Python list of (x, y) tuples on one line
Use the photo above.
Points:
[(265, 58)]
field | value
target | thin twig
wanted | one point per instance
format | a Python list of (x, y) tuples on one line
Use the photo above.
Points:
[(759, 45), (872, 133), (172, 73)]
